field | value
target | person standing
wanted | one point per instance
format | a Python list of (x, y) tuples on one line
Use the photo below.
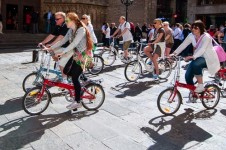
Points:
[(28, 22), (48, 19), (107, 36), (177, 35), (35, 18), (1, 26), (138, 33), (144, 31), (126, 35)]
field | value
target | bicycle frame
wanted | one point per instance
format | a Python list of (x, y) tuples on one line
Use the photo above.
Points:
[(43, 69), (69, 87), (187, 86)]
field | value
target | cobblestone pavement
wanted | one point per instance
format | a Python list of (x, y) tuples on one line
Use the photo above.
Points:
[(128, 120)]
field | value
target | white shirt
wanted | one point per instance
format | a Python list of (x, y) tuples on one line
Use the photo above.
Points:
[(205, 49), (107, 35), (177, 33), (92, 34), (127, 36), (49, 15)]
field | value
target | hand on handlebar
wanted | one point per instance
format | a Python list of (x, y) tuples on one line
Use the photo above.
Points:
[(59, 55), (188, 58)]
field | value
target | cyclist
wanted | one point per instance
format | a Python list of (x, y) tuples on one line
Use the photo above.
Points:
[(126, 35), (58, 34), (80, 42), (156, 48), (87, 21), (204, 55)]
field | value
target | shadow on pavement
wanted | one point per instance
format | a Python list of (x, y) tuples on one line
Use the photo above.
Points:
[(181, 130), (223, 111), (133, 88), (20, 132), (11, 106), (111, 68), (15, 104)]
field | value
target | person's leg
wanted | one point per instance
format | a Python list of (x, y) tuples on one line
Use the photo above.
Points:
[(198, 66), (126, 47), (147, 51), (189, 75), (155, 62)]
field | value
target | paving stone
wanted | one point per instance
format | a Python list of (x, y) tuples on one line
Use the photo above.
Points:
[(83, 141), (123, 143)]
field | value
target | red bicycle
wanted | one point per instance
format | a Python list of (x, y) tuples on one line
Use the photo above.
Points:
[(37, 99), (170, 99)]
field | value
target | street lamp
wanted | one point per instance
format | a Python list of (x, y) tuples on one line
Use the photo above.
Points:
[(127, 3)]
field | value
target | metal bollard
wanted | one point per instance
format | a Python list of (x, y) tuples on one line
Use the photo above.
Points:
[(35, 55)]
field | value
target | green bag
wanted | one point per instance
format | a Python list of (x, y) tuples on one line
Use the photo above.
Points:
[(84, 59)]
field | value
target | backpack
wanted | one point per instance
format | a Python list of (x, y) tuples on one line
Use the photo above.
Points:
[(132, 27)]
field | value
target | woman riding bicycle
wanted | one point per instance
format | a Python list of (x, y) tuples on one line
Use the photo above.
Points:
[(80, 44), (156, 48), (204, 55)]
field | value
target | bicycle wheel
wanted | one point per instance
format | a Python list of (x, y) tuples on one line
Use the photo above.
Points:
[(32, 80), (213, 94), (97, 91), (165, 69), (98, 65), (108, 57), (132, 71), (169, 101), (31, 103)]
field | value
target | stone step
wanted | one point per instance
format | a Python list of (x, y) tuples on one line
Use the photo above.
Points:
[(20, 40)]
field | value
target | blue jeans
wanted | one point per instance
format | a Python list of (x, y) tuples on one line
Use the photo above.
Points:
[(195, 69)]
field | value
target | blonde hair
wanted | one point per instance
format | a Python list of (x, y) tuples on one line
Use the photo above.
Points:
[(74, 17), (88, 17), (60, 13)]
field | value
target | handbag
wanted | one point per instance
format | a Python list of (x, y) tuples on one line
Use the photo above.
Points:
[(220, 51), (84, 59)]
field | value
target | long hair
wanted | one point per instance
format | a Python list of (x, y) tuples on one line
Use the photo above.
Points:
[(74, 17)]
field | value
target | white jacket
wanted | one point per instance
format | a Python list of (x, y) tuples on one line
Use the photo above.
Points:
[(205, 49)]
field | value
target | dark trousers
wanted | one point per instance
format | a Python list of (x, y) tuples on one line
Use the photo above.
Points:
[(74, 70), (195, 68)]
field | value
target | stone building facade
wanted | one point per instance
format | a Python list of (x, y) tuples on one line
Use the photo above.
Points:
[(212, 12)]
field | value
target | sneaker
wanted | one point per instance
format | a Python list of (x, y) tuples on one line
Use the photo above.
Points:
[(149, 63), (125, 59), (74, 105), (155, 76), (200, 88)]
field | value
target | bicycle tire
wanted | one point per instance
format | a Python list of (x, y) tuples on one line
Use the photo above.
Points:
[(98, 65), (109, 57), (35, 74), (211, 88), (165, 69), (133, 77), (34, 92), (167, 109), (98, 91)]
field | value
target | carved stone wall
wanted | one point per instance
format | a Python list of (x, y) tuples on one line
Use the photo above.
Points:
[(96, 9)]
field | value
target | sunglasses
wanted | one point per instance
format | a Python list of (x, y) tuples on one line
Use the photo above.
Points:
[(155, 23), (195, 27), (57, 19), (67, 20), (83, 18)]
